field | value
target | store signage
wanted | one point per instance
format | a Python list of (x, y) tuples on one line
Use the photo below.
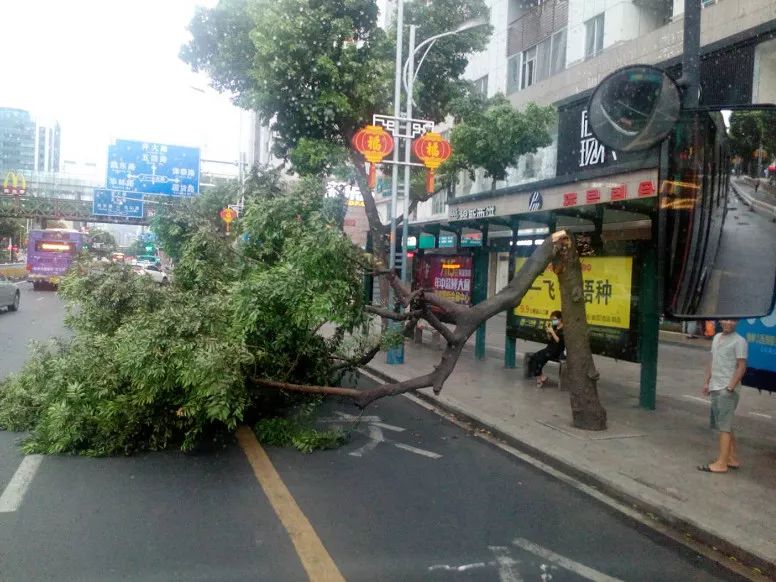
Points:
[(619, 193), (579, 150), (535, 201), (471, 213)]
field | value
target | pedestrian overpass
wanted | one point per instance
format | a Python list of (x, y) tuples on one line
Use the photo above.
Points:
[(63, 207)]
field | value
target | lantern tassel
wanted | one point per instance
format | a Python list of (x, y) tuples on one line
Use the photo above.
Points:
[(429, 181), (372, 175)]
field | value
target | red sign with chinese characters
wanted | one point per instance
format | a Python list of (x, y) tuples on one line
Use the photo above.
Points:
[(592, 196), (646, 188), (570, 199), (619, 192)]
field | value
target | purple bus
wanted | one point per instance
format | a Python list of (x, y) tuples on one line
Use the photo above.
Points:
[(50, 253)]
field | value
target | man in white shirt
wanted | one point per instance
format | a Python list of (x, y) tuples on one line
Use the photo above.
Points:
[(723, 382)]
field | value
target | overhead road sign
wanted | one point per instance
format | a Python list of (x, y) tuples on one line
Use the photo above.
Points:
[(117, 203), (153, 168)]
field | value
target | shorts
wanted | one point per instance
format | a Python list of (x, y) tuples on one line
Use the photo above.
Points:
[(723, 405)]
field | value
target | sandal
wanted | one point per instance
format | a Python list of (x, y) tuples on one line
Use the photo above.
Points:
[(707, 469)]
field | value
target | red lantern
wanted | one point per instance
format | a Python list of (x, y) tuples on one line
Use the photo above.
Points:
[(374, 143), (432, 149)]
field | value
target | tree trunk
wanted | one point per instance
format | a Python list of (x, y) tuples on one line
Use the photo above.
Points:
[(579, 373)]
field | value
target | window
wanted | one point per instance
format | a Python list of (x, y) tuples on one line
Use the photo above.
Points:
[(538, 62), (528, 68), (481, 86), (439, 202), (594, 36)]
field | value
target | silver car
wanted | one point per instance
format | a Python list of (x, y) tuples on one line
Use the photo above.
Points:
[(9, 294)]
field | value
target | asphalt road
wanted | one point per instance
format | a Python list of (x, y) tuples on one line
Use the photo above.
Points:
[(410, 497), (742, 279)]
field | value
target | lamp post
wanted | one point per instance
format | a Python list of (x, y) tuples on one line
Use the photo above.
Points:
[(410, 73)]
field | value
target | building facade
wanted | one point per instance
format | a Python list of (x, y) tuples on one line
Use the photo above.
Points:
[(27, 146), (555, 52), (17, 141)]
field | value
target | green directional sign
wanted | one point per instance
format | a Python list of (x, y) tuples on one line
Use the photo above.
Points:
[(427, 241), (446, 241)]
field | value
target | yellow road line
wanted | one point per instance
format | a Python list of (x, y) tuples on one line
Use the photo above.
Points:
[(315, 559)]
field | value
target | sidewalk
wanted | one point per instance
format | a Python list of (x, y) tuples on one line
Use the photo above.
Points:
[(648, 458)]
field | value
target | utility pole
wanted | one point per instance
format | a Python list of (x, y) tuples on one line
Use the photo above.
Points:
[(396, 355), (650, 302)]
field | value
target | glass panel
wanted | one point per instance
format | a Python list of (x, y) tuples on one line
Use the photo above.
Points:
[(599, 33), (558, 60), (543, 60)]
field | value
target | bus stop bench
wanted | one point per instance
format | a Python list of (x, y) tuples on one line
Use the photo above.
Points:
[(561, 361)]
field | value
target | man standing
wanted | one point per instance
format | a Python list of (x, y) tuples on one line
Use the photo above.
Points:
[(723, 381)]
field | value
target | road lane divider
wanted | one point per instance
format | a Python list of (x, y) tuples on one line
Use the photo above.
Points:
[(315, 559), (14, 492)]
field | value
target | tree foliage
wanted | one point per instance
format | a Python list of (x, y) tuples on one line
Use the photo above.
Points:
[(151, 366), (492, 135), (318, 70)]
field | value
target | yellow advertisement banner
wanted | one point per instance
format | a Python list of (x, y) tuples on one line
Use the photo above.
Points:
[(607, 292)]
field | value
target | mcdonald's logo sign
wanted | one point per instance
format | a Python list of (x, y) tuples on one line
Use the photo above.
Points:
[(14, 183)]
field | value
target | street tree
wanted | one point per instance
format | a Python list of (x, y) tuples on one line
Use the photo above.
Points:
[(493, 135), (317, 71), (103, 242)]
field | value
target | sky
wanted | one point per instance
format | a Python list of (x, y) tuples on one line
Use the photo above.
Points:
[(109, 69)]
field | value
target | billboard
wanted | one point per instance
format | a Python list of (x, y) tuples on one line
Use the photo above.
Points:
[(609, 299), (450, 276)]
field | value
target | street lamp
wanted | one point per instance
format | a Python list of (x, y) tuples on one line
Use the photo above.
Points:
[(410, 74), (396, 355), (429, 43)]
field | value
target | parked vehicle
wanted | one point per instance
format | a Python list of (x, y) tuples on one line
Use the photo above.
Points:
[(9, 294)]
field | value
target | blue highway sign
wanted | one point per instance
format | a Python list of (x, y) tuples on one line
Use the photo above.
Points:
[(153, 168), (117, 203)]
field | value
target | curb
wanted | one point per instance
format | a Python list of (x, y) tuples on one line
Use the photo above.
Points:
[(685, 529)]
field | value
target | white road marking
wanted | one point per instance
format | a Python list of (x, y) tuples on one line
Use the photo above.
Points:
[(40, 299), (564, 562), (461, 568), (506, 564), (388, 426), (375, 438), (417, 451), (696, 398), (14, 492), (761, 414)]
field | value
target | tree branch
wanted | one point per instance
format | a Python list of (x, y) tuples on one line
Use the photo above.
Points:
[(308, 389), (387, 313), (433, 320), (511, 295)]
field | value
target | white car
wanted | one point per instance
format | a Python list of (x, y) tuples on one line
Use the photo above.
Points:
[(9, 294), (156, 273)]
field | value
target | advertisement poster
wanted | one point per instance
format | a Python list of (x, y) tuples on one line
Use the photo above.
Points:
[(608, 293), (450, 277), (760, 335)]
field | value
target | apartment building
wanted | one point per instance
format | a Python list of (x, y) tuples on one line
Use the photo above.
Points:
[(555, 52)]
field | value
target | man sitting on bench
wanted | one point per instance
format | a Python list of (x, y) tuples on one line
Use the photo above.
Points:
[(556, 347)]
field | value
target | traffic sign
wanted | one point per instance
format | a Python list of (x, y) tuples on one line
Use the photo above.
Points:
[(153, 168), (117, 203)]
